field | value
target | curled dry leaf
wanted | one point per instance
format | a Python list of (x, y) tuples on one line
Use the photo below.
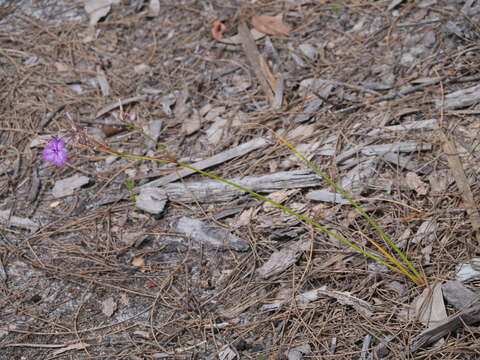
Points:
[(270, 25), (217, 30)]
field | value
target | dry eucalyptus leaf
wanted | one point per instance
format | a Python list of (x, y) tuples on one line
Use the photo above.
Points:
[(270, 25)]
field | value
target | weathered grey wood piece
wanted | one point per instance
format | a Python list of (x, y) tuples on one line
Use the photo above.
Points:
[(216, 191), (211, 161), (369, 150), (210, 235), (457, 295), (428, 124), (461, 98), (407, 163), (406, 146), (470, 314)]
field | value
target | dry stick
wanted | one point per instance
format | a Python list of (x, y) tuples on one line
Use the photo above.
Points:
[(257, 62), (109, 107), (408, 90), (455, 164), (402, 92)]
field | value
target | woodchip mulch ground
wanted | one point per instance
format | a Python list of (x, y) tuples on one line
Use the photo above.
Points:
[(91, 276)]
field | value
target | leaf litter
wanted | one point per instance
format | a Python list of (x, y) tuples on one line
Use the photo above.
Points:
[(369, 83)]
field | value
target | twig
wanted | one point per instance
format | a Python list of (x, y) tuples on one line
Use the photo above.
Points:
[(257, 62), (455, 165), (110, 107), (402, 92)]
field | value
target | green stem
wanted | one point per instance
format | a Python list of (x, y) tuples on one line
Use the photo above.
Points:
[(362, 212)]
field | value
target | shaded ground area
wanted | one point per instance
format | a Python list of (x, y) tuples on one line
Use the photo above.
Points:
[(369, 90)]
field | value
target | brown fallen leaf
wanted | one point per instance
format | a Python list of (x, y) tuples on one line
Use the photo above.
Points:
[(138, 261), (270, 25), (217, 30)]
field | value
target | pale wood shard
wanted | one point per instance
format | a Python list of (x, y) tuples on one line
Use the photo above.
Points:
[(457, 295), (240, 150), (282, 259), (258, 63), (383, 149), (461, 98), (326, 196), (429, 124), (216, 191), (343, 297), (406, 146), (407, 163), (20, 222), (355, 181), (455, 164), (109, 107), (211, 235)]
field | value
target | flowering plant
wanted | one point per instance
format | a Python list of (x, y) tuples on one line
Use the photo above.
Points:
[(56, 153)]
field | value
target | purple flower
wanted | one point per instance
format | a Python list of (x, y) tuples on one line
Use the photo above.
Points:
[(55, 152)]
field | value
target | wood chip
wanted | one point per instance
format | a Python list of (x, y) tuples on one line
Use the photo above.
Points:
[(457, 295), (326, 196), (210, 235), (461, 98), (107, 108), (151, 201), (282, 259), (466, 272), (429, 306), (23, 223), (109, 306), (66, 187), (415, 183)]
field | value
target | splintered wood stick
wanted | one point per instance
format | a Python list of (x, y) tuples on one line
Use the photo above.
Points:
[(258, 63), (455, 164)]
